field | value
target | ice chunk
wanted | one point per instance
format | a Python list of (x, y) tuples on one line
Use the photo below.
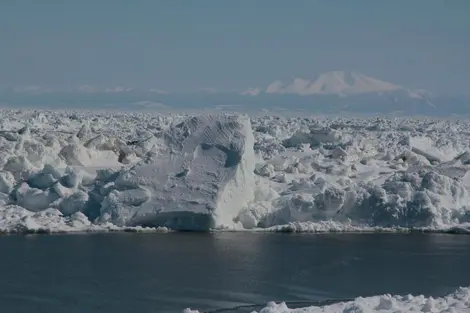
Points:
[(73, 177), (74, 203), (425, 147), (74, 154), (34, 199), (84, 132), (202, 180), (7, 181), (19, 166), (41, 180), (413, 158), (267, 170)]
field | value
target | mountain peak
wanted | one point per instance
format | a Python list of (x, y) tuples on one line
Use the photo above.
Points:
[(341, 83)]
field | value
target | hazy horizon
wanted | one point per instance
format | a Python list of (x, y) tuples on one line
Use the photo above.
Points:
[(232, 45)]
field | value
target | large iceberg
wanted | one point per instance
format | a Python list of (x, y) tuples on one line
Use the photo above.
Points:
[(200, 177)]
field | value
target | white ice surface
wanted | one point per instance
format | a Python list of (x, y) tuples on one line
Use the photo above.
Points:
[(457, 302), (112, 170), (200, 178)]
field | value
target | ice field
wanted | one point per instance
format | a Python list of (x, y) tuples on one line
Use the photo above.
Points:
[(95, 171)]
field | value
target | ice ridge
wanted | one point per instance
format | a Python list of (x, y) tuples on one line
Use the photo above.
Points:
[(87, 171)]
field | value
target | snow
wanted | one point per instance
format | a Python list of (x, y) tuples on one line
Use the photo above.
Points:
[(101, 171), (333, 83), (457, 302)]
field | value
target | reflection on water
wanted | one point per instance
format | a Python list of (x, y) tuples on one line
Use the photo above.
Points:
[(169, 272)]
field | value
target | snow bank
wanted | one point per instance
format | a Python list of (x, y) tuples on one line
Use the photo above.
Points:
[(457, 302), (232, 172)]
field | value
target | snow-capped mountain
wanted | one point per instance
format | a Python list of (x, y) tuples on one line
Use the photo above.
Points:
[(338, 83)]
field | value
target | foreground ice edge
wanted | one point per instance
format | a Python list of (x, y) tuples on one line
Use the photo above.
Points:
[(224, 172), (456, 302)]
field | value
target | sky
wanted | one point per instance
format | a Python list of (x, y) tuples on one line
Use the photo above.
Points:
[(188, 45)]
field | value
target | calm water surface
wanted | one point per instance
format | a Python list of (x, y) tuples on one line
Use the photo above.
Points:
[(140, 273)]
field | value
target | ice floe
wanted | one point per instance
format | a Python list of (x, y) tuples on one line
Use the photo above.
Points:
[(457, 302)]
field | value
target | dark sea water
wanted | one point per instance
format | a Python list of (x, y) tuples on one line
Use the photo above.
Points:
[(160, 273)]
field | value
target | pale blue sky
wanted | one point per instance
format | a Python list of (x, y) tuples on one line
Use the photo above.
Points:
[(182, 45)]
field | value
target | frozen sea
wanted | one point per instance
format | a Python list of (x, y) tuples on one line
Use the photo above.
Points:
[(140, 273)]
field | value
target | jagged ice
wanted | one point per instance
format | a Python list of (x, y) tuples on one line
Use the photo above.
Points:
[(90, 171)]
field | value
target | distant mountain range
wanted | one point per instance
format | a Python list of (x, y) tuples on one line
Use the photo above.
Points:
[(332, 92)]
